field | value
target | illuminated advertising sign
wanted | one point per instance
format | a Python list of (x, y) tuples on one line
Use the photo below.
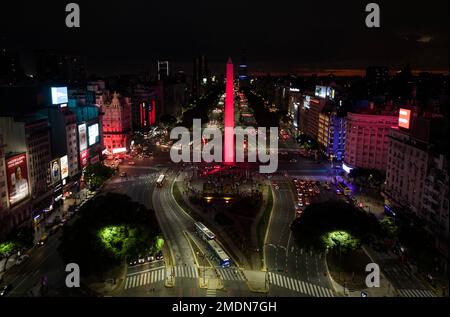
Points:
[(82, 137), (59, 95), (404, 117), (330, 92), (93, 134), (17, 178), (83, 158), (306, 102), (55, 171), (64, 167), (119, 150), (321, 91)]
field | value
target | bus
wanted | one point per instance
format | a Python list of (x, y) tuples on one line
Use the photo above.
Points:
[(219, 254), (160, 180), (204, 232)]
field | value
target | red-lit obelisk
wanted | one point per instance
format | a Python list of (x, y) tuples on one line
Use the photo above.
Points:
[(229, 115)]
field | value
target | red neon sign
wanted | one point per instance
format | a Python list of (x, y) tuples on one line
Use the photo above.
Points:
[(404, 117)]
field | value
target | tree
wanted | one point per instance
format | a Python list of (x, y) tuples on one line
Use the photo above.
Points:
[(320, 219), (341, 241), (168, 121), (96, 174), (17, 240), (111, 230), (389, 228)]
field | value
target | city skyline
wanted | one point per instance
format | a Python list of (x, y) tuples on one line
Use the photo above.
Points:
[(302, 35)]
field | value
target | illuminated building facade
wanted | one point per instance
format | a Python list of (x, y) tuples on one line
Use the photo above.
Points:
[(116, 123), (367, 139)]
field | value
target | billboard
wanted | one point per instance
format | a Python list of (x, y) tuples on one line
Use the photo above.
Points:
[(59, 95), (17, 178), (404, 117), (93, 134), (82, 137), (324, 91), (64, 162), (55, 171), (83, 158), (321, 91)]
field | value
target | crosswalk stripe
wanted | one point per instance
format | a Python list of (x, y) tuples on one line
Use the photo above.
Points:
[(292, 284), (127, 282), (302, 287), (134, 278), (314, 290), (322, 292)]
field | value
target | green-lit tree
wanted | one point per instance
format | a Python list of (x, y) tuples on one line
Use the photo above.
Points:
[(111, 230)]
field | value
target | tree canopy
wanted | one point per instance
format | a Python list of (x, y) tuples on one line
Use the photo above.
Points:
[(318, 221), (96, 174), (112, 229)]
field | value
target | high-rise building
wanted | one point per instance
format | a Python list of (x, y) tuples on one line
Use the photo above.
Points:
[(163, 69), (11, 71), (377, 80), (117, 123), (243, 72), (367, 139), (417, 175), (60, 69), (3, 192), (331, 133), (27, 164), (200, 75)]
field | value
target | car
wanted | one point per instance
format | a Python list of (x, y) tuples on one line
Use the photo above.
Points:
[(150, 258), (293, 161), (131, 163), (5, 289), (338, 192), (43, 240), (123, 174), (64, 220), (159, 256), (22, 259), (300, 204), (132, 262)]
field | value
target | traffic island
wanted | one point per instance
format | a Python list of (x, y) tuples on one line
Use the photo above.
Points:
[(257, 281)]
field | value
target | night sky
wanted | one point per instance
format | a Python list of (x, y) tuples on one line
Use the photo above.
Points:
[(278, 36)]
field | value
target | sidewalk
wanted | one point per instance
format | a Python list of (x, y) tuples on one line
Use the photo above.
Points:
[(60, 212)]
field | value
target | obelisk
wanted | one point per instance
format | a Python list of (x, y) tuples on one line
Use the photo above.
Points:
[(229, 115)]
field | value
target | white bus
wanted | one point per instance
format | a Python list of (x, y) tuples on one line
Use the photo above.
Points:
[(204, 232), (160, 180)]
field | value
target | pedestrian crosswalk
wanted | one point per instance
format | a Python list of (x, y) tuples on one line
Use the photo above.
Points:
[(185, 271), (230, 274), (145, 278), (415, 293), (299, 286), (211, 292)]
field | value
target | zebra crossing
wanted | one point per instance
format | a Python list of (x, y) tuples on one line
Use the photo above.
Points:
[(299, 286), (230, 274), (415, 293), (145, 278), (211, 292), (185, 271)]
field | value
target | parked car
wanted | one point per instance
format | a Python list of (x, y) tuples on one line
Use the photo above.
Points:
[(22, 259)]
